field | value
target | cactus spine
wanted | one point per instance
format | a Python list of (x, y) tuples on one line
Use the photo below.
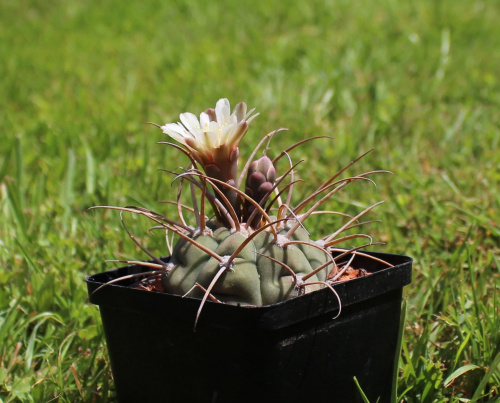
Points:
[(256, 250)]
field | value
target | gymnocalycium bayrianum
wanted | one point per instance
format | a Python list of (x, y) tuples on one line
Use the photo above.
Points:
[(245, 242)]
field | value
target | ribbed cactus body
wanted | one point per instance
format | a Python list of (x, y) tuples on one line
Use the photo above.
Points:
[(253, 279), (243, 255)]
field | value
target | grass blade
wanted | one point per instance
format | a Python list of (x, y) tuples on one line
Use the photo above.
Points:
[(459, 372), (492, 369), (360, 390), (397, 358)]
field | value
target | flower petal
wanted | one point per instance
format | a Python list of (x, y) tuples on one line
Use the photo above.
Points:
[(239, 132), (204, 121), (216, 131), (190, 121), (226, 133), (214, 128), (249, 113), (252, 118), (222, 110), (176, 131), (210, 140), (211, 114), (240, 111)]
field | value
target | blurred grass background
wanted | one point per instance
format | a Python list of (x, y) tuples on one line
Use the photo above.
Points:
[(417, 81)]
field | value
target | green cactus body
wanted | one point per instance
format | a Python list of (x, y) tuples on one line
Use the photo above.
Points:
[(253, 279), (243, 255)]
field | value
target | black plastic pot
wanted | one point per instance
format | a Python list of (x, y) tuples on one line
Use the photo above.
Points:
[(293, 351)]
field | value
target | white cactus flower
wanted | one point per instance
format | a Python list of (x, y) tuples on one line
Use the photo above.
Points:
[(217, 130)]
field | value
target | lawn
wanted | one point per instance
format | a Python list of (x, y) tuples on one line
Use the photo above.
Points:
[(417, 81)]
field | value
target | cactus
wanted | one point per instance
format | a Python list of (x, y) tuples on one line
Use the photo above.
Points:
[(255, 250)]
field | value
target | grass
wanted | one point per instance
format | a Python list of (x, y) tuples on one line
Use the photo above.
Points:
[(418, 81)]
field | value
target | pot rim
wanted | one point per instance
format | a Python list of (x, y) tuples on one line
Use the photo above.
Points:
[(382, 280)]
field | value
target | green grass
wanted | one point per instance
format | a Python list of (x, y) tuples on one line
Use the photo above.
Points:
[(418, 81)]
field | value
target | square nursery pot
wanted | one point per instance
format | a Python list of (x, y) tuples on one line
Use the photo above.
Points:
[(293, 351)]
